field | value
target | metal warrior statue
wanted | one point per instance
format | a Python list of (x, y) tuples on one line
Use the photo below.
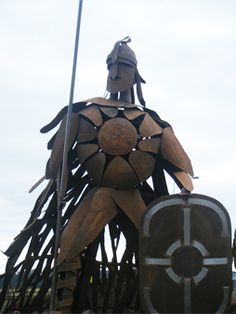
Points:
[(115, 146)]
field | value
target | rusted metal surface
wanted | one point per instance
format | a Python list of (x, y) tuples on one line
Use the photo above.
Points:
[(149, 127), (86, 150), (142, 163), (132, 114), (67, 266), (117, 137), (87, 131), (95, 167), (123, 173), (123, 72), (150, 145), (109, 111), (69, 234), (84, 227), (122, 67), (185, 256), (114, 148), (184, 179), (125, 77), (132, 203), (57, 149), (120, 175), (93, 114), (173, 151)]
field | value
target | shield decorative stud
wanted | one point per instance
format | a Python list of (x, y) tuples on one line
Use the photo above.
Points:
[(185, 255)]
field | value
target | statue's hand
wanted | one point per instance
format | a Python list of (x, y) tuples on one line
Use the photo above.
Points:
[(185, 191)]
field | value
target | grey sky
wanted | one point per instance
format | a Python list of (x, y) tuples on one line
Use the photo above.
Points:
[(186, 52)]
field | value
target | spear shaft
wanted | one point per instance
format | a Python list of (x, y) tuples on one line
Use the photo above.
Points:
[(62, 175)]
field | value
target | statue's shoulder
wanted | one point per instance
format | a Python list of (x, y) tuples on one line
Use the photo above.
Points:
[(157, 118), (104, 102)]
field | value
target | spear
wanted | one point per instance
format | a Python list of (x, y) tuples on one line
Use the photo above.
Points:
[(62, 175)]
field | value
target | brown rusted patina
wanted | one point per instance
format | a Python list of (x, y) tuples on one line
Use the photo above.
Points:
[(117, 137), (149, 127), (93, 114), (86, 150), (87, 131), (115, 147), (173, 151), (119, 174), (142, 169), (120, 149), (95, 167), (132, 114), (151, 145)]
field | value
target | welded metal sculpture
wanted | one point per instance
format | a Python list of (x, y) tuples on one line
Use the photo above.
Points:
[(115, 147)]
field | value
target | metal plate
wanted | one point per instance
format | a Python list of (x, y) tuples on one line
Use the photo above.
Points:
[(173, 151), (184, 179), (86, 150), (87, 131), (58, 145), (132, 114), (93, 114), (117, 136), (119, 174), (95, 166), (142, 163), (132, 204), (149, 127), (185, 256), (150, 145), (109, 111)]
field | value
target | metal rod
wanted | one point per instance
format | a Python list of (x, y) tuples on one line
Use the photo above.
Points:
[(62, 175)]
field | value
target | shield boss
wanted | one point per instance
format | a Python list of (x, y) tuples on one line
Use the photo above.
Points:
[(117, 137)]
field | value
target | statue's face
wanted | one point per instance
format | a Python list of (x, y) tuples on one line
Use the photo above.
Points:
[(123, 79)]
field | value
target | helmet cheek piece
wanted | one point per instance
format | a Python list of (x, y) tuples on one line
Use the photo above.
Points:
[(139, 92)]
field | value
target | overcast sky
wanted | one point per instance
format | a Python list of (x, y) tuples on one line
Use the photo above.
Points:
[(186, 53)]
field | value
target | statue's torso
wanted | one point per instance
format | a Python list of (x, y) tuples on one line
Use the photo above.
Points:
[(117, 145)]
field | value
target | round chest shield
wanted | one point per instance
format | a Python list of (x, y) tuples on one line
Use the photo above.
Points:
[(117, 136)]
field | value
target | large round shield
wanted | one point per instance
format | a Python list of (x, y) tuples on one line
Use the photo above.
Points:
[(185, 256)]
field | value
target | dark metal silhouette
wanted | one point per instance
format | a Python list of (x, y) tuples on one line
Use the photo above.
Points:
[(185, 268)]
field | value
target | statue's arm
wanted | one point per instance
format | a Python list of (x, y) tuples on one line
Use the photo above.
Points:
[(176, 161), (56, 156)]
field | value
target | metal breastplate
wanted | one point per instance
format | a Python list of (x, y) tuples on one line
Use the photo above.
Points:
[(117, 146)]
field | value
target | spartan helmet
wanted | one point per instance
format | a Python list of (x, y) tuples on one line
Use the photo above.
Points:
[(123, 72)]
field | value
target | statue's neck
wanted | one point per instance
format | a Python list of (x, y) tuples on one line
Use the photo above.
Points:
[(122, 96)]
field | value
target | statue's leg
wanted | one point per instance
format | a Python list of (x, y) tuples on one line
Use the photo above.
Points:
[(88, 220), (131, 202), (101, 211), (73, 226), (67, 270)]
